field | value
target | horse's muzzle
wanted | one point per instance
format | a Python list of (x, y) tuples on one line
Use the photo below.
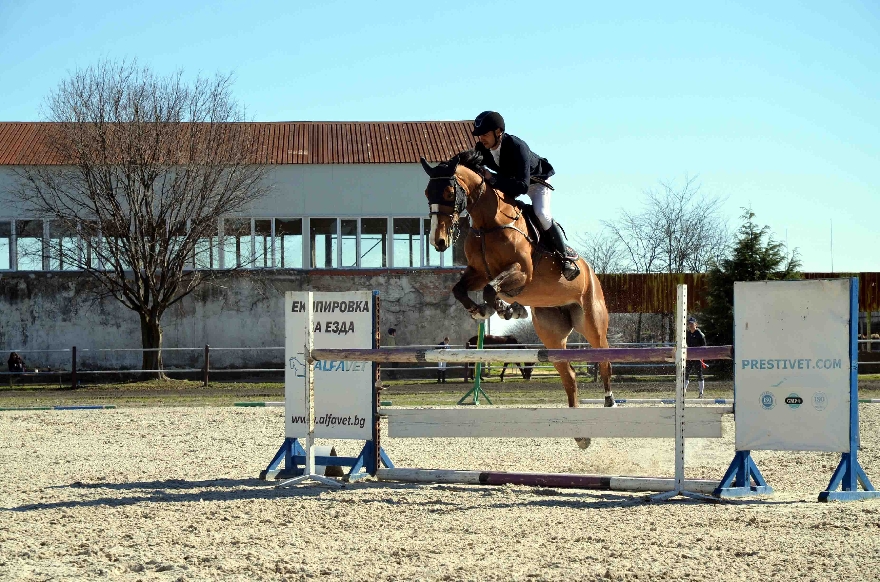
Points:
[(441, 245)]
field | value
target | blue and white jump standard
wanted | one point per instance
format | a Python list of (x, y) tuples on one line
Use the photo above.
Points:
[(795, 383)]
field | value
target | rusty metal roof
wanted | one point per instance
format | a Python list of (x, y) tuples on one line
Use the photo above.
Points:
[(294, 142)]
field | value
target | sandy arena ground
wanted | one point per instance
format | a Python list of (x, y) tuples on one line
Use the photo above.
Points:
[(170, 494)]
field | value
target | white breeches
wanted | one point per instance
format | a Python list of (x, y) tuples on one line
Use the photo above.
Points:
[(540, 196)]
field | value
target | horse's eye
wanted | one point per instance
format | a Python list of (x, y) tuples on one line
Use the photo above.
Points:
[(448, 195)]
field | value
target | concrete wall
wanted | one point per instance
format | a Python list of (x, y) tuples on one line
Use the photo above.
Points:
[(54, 311)]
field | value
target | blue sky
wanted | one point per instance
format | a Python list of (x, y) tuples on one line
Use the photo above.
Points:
[(773, 105)]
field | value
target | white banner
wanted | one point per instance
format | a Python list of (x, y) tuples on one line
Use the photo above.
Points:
[(343, 390), (792, 359)]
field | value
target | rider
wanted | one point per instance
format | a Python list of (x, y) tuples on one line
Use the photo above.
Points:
[(519, 170)]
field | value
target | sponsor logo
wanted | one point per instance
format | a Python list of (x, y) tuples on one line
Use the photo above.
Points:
[(768, 401), (298, 365), (820, 401), (794, 401)]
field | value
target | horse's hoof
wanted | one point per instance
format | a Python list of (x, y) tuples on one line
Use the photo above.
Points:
[(583, 443), (518, 311), (609, 402), (481, 313)]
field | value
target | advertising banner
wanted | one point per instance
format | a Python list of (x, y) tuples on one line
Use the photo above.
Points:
[(792, 365), (343, 390)]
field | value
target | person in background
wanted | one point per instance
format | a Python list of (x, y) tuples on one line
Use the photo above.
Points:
[(441, 367), (16, 365), (694, 338), (390, 341)]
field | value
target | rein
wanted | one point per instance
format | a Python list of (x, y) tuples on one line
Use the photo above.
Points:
[(460, 204)]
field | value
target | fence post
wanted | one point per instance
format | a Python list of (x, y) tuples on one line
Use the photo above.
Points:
[(73, 368), (207, 360)]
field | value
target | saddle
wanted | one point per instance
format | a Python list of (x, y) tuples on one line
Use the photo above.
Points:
[(534, 229)]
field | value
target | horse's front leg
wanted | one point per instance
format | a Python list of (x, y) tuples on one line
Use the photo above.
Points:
[(510, 282), (472, 280)]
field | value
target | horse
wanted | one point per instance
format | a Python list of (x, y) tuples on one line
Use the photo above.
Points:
[(504, 262), (497, 340)]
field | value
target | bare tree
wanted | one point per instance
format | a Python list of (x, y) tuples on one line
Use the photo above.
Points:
[(146, 167), (677, 230), (603, 251), (689, 226)]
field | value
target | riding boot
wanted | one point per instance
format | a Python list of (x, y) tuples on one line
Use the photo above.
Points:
[(556, 239)]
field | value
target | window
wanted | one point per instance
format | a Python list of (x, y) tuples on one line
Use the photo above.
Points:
[(115, 243), (237, 243), (63, 247), (432, 257), (407, 249), (207, 249), (89, 244), (374, 243), (348, 242), (5, 246), (177, 238), (263, 243), (322, 236), (29, 245), (288, 243)]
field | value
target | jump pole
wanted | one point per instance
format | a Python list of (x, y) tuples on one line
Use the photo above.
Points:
[(672, 487), (556, 480)]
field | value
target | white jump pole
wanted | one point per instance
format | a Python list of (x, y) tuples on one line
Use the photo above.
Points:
[(309, 471)]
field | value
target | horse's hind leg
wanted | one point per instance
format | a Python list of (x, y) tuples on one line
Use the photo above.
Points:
[(553, 325), (592, 323)]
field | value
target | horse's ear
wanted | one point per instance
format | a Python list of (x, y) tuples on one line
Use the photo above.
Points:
[(428, 169)]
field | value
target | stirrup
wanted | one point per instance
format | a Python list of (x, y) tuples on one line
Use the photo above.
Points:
[(570, 270)]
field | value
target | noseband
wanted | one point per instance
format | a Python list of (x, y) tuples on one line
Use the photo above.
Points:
[(460, 202)]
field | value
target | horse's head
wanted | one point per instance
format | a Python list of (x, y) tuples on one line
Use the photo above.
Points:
[(449, 194), (446, 200)]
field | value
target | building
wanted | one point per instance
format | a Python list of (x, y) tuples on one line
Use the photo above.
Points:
[(346, 210)]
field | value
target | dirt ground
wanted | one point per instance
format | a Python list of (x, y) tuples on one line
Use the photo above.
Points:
[(151, 493)]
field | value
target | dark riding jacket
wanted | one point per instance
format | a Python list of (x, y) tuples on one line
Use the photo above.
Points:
[(518, 165)]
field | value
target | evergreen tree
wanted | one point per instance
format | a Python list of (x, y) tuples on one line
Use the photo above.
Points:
[(755, 256)]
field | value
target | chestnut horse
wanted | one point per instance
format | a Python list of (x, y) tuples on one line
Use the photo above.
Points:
[(507, 266)]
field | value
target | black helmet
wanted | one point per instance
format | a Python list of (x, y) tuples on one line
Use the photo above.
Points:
[(488, 121)]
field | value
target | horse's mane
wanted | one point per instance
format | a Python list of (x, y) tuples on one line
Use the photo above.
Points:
[(471, 159)]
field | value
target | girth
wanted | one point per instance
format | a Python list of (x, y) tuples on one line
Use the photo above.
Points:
[(481, 232)]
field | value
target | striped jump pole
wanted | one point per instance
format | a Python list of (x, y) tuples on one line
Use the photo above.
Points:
[(591, 355), (60, 407), (556, 480)]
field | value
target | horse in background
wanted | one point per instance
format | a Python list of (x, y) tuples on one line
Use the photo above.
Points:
[(496, 340)]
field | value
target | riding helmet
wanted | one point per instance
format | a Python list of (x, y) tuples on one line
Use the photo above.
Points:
[(488, 121)]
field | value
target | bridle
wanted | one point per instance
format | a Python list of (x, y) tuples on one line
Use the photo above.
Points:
[(460, 204)]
